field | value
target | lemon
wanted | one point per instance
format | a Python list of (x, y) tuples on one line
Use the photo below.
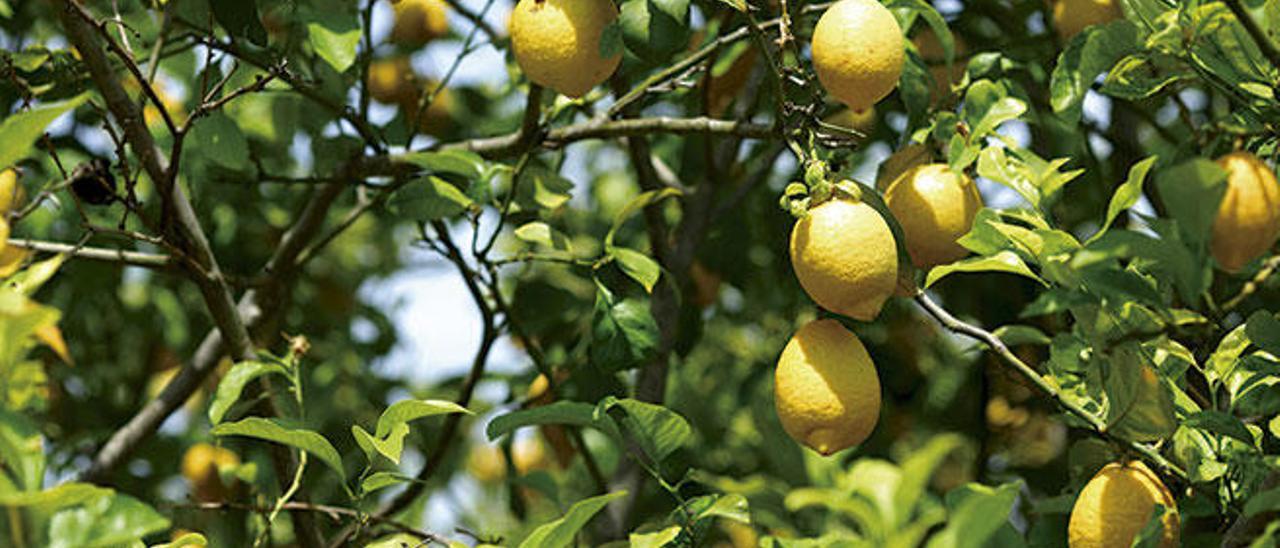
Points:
[(200, 465), (11, 193), (1248, 218), (862, 121), (557, 43), (935, 207), (858, 52), (826, 390), (528, 454), (1116, 504), (418, 22), (1072, 16), (486, 464), (11, 259), (845, 258), (900, 162), (391, 80)]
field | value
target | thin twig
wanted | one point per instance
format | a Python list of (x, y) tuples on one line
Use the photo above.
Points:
[(334, 512), (131, 258)]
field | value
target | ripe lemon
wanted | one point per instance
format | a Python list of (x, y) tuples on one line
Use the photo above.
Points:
[(11, 193), (1116, 504), (1248, 218), (858, 52), (391, 80), (200, 465), (1072, 16), (861, 120), (486, 464), (826, 390), (845, 258), (557, 43), (418, 22), (900, 162), (935, 207)]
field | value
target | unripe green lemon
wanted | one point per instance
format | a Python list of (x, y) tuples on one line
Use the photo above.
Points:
[(845, 257), (858, 52), (1248, 218), (1115, 506), (418, 22), (935, 206), (557, 43), (825, 389), (1072, 16)]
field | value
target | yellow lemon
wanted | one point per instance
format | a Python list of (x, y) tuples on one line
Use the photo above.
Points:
[(200, 465), (1116, 504), (418, 22), (11, 193), (845, 258), (11, 259), (900, 162), (862, 121), (1248, 218), (486, 464), (528, 454), (825, 389), (1072, 16), (557, 43), (858, 52), (935, 207), (391, 80)]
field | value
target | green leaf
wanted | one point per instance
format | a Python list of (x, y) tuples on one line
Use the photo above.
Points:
[(732, 506), (656, 539), (240, 18), (1004, 261), (405, 411), (1223, 359), (389, 445), (187, 539), (654, 30), (918, 469), (560, 533), (1014, 335), (542, 188), (232, 385), (975, 515), (269, 430), (30, 279), (659, 431), (1263, 329), (429, 198), (19, 131), (987, 105), (540, 233), (637, 266), (21, 450), (623, 334), (645, 199), (334, 34), (1220, 423), (219, 140), (1191, 192), (1089, 54), (1144, 74), (53, 498), (1265, 501), (611, 41), (465, 164), (572, 413), (1127, 194), (381, 480), (107, 521), (1139, 405)]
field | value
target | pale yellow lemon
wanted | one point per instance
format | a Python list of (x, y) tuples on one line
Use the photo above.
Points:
[(826, 390), (1072, 16), (1117, 504), (845, 258), (935, 206), (557, 43), (858, 52), (1248, 218)]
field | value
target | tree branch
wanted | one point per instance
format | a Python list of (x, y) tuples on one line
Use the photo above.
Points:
[(1026, 372), (334, 512), (130, 258), (510, 144)]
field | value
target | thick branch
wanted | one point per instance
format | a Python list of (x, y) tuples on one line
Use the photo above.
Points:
[(507, 145)]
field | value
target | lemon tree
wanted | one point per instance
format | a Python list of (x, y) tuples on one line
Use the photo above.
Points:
[(679, 273)]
